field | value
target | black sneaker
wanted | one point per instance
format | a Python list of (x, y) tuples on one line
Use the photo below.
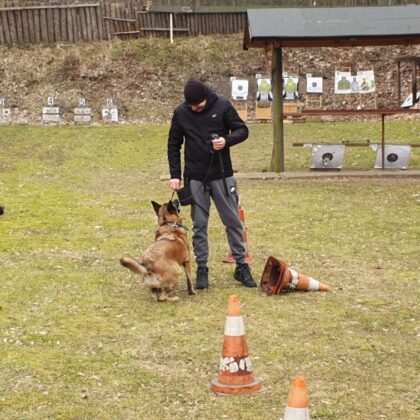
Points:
[(202, 281), (243, 275)]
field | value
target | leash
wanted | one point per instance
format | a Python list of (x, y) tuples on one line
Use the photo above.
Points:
[(222, 166), (174, 224)]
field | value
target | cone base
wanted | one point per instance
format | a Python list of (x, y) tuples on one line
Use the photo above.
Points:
[(223, 389), (296, 414)]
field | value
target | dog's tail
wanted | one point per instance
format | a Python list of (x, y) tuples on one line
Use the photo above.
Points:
[(133, 265)]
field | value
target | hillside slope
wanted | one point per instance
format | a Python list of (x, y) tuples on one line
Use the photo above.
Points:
[(145, 77)]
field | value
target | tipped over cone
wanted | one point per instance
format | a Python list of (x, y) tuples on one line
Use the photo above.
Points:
[(297, 400), (277, 276), (236, 374), (300, 281)]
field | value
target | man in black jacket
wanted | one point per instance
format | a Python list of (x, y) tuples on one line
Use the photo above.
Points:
[(210, 126)]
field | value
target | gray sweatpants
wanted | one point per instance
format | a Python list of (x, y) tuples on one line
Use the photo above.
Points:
[(227, 207)]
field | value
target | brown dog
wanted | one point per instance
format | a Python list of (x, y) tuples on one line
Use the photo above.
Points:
[(160, 265)]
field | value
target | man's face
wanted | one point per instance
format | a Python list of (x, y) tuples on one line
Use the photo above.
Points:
[(198, 107)]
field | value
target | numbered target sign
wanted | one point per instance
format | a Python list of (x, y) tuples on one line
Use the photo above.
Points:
[(82, 102), (50, 101), (110, 115), (109, 103)]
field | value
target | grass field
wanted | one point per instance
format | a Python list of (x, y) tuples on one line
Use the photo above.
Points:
[(81, 339)]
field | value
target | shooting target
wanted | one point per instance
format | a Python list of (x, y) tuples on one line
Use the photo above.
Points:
[(396, 157), (327, 156), (240, 89)]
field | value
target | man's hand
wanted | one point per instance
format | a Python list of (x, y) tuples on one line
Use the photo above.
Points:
[(219, 143), (175, 184)]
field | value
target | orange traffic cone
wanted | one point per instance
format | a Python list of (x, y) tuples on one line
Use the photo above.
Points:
[(277, 276), (248, 259), (236, 375), (297, 401)]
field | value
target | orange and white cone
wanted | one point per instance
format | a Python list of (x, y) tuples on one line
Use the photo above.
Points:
[(278, 276), (229, 257), (236, 374), (297, 401), (302, 282)]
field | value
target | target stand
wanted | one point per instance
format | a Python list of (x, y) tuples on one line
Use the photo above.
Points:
[(395, 156), (242, 109), (240, 96), (327, 157)]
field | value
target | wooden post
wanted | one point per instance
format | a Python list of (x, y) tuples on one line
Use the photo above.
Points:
[(383, 141), (414, 81), (277, 159), (399, 82), (171, 27)]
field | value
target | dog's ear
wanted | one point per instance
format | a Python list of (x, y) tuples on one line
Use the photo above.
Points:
[(156, 206), (176, 204), (171, 207)]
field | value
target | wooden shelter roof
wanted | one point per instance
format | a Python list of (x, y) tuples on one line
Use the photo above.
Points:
[(332, 27)]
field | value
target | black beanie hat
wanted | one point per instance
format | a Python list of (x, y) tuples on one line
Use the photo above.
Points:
[(195, 92)]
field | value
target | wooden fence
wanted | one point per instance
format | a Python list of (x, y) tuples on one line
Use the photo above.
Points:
[(33, 22), (45, 23), (158, 23), (105, 21)]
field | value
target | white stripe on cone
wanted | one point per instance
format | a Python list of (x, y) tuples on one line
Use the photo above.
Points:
[(313, 284), (234, 326), (296, 414), (295, 278)]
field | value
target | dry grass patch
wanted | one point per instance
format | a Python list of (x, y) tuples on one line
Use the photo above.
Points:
[(80, 338)]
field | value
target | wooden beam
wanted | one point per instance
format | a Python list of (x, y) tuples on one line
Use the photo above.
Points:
[(277, 159), (120, 19), (352, 144), (127, 33), (165, 29), (67, 6), (353, 112), (334, 42)]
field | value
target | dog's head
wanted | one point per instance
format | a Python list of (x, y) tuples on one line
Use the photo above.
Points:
[(167, 212)]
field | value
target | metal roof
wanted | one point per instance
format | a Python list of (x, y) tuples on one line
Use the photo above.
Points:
[(339, 26)]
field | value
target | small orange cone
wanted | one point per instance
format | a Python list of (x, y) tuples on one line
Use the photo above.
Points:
[(277, 276), (229, 257), (297, 401), (236, 375)]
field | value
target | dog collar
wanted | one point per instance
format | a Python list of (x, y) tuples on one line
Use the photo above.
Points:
[(175, 225)]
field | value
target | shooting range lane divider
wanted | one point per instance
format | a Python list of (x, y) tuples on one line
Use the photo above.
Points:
[(278, 277), (297, 400), (236, 373), (248, 259)]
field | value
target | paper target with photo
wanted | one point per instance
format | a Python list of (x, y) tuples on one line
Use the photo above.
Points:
[(240, 89), (290, 87), (366, 81), (264, 90), (342, 82)]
